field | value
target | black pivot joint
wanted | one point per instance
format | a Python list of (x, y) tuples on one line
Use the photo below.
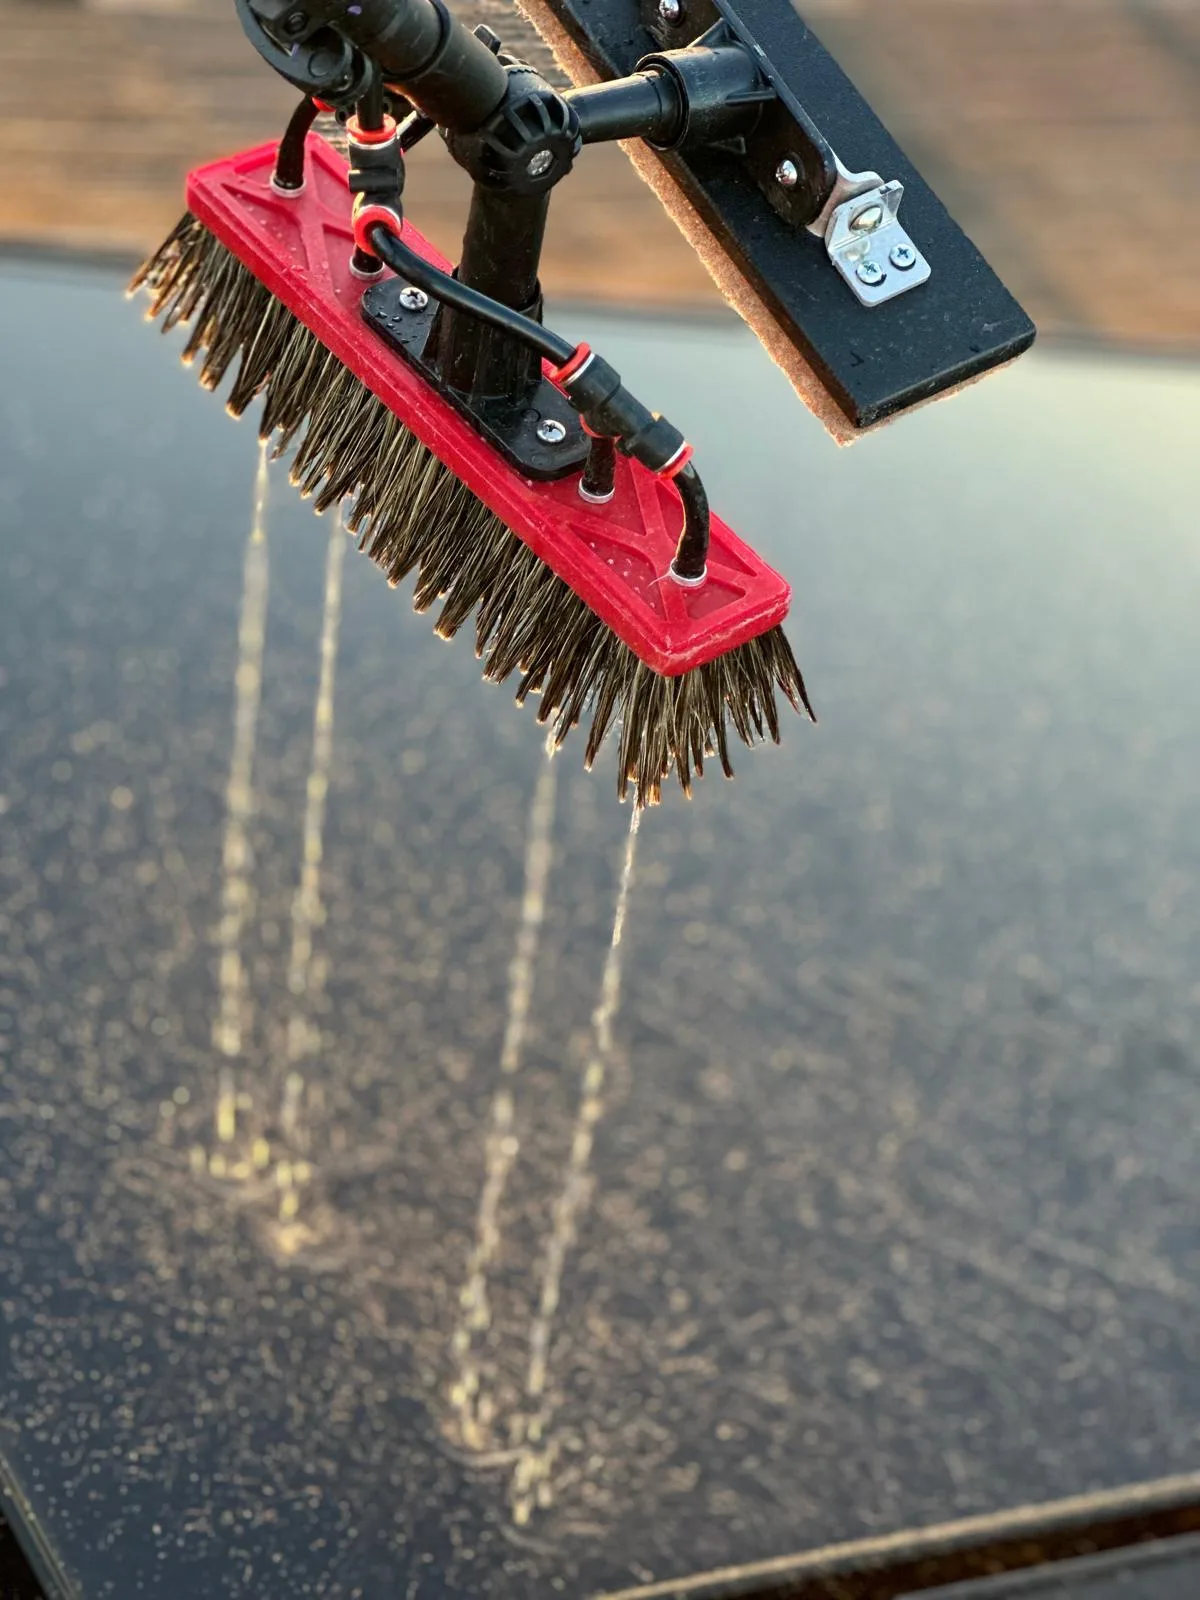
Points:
[(527, 144)]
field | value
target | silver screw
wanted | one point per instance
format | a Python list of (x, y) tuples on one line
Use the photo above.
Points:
[(867, 220), (669, 11), (787, 174), (903, 256), (540, 163), (413, 299), (552, 431), (870, 273)]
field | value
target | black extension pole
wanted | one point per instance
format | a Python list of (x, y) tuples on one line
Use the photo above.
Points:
[(502, 247), (442, 67)]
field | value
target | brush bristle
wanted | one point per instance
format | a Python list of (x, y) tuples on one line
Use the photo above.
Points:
[(412, 514)]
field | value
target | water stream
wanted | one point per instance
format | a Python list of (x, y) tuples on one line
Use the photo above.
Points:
[(532, 1481), (473, 1407)]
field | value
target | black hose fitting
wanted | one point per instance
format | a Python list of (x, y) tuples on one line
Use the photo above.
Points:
[(606, 405), (376, 175), (376, 171), (595, 389)]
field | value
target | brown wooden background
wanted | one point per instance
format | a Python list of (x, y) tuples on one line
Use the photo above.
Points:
[(1064, 134)]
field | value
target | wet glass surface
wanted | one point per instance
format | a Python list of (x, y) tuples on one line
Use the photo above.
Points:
[(881, 1210)]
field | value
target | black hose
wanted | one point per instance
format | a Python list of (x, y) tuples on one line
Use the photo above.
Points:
[(289, 162), (407, 264), (691, 554), (370, 109), (600, 472)]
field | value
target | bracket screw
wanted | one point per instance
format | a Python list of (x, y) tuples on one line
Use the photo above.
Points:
[(552, 431), (870, 273), (787, 174), (413, 299), (903, 256), (295, 22), (540, 163), (669, 11), (867, 220)]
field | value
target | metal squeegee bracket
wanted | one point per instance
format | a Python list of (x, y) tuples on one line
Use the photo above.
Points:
[(809, 186), (868, 245)]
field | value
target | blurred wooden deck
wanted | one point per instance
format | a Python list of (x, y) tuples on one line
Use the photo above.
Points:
[(1065, 137)]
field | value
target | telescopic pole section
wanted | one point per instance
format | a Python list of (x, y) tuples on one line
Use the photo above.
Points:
[(501, 251)]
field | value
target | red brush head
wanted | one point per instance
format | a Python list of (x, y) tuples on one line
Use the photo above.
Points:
[(615, 557)]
